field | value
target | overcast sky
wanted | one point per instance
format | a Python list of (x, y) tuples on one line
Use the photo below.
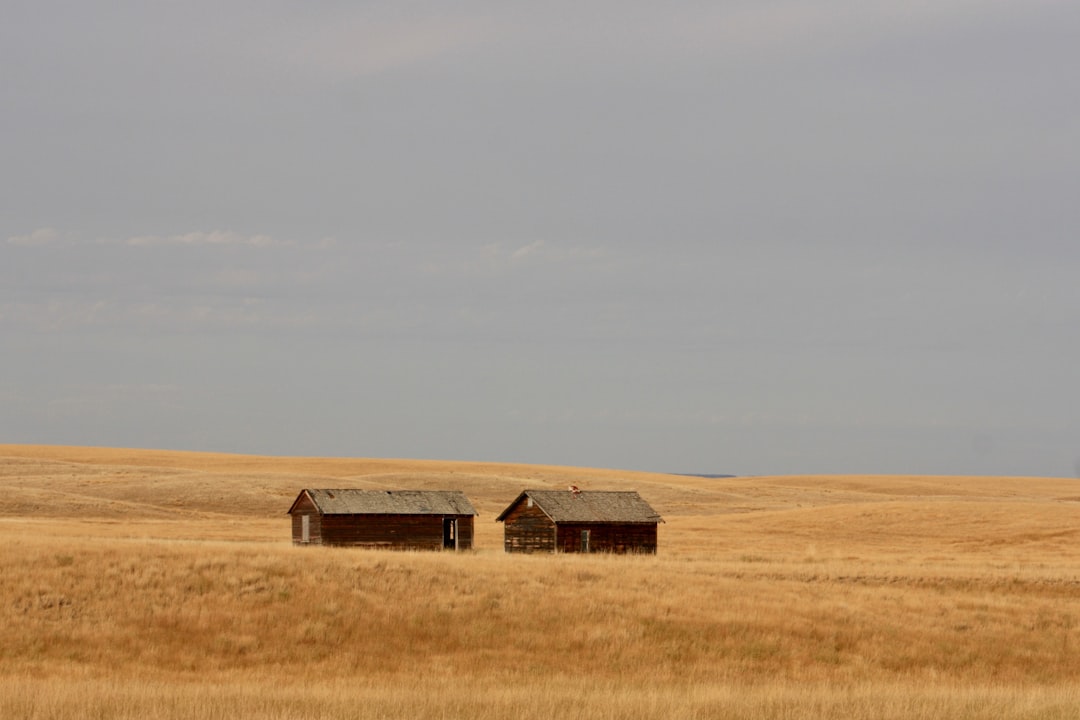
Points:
[(738, 236)]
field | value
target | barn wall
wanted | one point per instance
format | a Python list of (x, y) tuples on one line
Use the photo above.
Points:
[(528, 529), (304, 506), (406, 532), (465, 532), (609, 537)]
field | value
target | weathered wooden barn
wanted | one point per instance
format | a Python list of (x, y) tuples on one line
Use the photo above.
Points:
[(579, 522), (399, 519)]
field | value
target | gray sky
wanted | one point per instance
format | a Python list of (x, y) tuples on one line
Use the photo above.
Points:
[(739, 237)]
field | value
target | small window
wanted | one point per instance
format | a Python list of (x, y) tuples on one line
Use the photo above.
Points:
[(529, 502), (305, 528)]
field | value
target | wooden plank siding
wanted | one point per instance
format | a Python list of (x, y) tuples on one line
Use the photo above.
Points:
[(408, 532), (616, 538), (579, 522), (528, 530), (304, 507), (399, 519)]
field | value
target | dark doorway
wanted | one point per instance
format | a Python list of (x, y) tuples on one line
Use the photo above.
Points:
[(449, 533)]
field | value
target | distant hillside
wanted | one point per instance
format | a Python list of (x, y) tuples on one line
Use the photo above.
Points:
[(704, 475), (936, 515)]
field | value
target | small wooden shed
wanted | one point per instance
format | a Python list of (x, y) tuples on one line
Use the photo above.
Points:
[(580, 522), (400, 519)]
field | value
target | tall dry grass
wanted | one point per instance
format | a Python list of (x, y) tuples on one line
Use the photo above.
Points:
[(265, 630), (959, 604), (537, 699)]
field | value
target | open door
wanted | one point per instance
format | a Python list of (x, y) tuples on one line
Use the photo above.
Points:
[(449, 533)]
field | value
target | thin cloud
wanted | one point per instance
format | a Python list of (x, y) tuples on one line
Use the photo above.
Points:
[(52, 236), (41, 236), (497, 258), (186, 314), (57, 314), (523, 253), (216, 237)]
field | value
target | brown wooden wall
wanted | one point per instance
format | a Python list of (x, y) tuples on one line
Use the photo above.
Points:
[(609, 537), (466, 532), (405, 532), (528, 529), (304, 506)]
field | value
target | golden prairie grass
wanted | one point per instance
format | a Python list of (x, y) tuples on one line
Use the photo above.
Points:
[(538, 699), (770, 597)]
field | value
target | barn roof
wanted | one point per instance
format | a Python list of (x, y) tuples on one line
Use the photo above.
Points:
[(565, 506), (388, 502)]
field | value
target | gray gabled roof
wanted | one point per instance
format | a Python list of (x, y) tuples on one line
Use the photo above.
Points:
[(388, 502), (565, 506)]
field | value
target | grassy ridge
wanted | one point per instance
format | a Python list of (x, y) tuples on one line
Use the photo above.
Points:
[(793, 597)]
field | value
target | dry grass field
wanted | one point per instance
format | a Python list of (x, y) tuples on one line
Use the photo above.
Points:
[(145, 584)]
